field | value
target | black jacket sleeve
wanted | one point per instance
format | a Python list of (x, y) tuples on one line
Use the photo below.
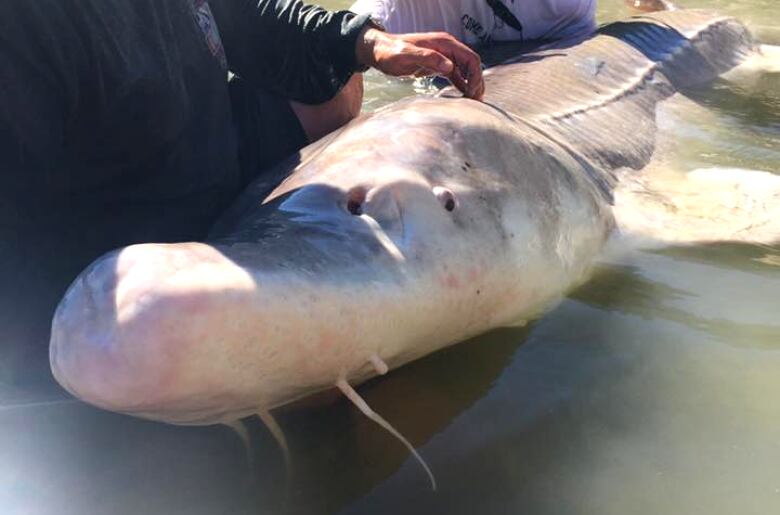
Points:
[(300, 51)]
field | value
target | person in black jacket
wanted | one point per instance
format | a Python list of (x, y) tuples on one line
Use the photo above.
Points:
[(118, 125)]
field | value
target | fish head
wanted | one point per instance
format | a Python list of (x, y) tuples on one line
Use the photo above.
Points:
[(403, 235)]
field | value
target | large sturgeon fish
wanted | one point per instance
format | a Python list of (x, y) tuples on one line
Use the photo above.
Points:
[(415, 227)]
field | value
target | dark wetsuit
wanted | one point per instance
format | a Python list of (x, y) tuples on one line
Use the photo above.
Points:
[(118, 125)]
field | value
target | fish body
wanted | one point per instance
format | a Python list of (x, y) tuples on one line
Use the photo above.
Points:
[(411, 229)]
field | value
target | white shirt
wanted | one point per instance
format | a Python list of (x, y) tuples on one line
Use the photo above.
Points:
[(473, 21)]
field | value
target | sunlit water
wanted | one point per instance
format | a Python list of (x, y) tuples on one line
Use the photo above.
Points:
[(653, 389)]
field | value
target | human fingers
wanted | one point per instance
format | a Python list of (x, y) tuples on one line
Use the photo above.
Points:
[(424, 62), (465, 59)]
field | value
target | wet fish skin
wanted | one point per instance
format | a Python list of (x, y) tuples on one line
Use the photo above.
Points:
[(411, 229)]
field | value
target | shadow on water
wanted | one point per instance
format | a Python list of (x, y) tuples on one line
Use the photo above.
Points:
[(66, 457), (755, 259), (755, 105), (623, 289), (513, 451), (342, 455), (627, 289), (615, 404)]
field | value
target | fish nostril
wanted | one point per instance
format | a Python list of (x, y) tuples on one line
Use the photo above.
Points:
[(354, 207), (446, 197), (355, 199)]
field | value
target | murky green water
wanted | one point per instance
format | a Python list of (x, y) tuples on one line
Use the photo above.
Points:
[(654, 389)]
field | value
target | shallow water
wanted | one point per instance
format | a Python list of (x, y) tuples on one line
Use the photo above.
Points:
[(652, 389)]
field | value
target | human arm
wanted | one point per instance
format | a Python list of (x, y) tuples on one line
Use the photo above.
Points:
[(300, 51), (307, 53)]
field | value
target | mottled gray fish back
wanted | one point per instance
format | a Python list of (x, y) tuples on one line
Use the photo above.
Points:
[(598, 97)]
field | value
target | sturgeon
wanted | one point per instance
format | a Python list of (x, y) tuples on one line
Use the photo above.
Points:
[(413, 228)]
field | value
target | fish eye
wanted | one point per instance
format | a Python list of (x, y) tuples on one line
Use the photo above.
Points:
[(355, 199), (446, 197)]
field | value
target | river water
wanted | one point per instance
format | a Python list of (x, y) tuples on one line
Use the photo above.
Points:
[(654, 388)]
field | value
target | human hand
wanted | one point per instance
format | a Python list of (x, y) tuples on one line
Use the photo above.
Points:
[(420, 55)]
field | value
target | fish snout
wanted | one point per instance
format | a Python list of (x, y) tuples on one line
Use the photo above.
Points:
[(111, 341), (399, 208), (83, 350), (382, 204)]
